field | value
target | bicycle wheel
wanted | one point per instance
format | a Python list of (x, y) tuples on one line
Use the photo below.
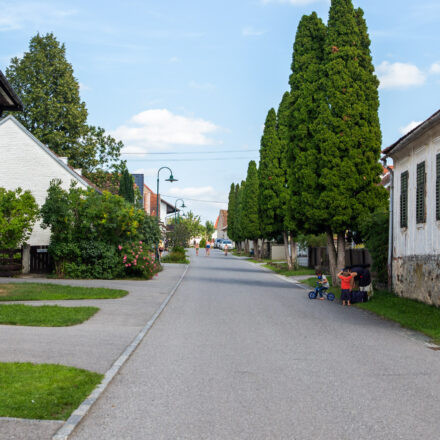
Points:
[(330, 297), (312, 294)]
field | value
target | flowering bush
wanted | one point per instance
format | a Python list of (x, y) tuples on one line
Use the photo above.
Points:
[(138, 260)]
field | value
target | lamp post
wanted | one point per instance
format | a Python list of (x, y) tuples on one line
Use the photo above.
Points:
[(176, 217), (170, 179)]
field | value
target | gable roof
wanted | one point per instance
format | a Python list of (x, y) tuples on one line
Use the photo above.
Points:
[(413, 134), (48, 151), (223, 219), (8, 98)]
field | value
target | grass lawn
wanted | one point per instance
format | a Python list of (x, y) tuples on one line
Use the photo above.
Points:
[(47, 392), (44, 316), (37, 291), (281, 268), (407, 312)]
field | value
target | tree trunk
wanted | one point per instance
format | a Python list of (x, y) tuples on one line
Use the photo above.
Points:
[(256, 254), (286, 250), (246, 246), (262, 253), (293, 254), (341, 251), (332, 257)]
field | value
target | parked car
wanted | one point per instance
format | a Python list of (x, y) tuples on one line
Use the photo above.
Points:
[(217, 242), (227, 242)]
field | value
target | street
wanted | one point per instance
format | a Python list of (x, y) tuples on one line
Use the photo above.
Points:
[(241, 354)]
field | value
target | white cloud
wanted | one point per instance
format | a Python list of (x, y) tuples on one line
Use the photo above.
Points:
[(161, 129), (83, 87), (174, 60), (149, 172), (249, 31), (435, 68), (399, 75), (19, 16), (205, 196), (409, 127)]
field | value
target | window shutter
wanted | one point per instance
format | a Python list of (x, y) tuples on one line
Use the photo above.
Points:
[(437, 188), (421, 191), (404, 200)]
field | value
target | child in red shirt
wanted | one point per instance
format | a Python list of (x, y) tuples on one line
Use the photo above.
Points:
[(346, 276)]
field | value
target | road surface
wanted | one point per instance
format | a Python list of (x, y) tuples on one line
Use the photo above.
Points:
[(241, 354)]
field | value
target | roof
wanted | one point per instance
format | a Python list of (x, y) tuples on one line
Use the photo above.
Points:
[(8, 98), (54, 156), (413, 134), (216, 222), (153, 201), (223, 218)]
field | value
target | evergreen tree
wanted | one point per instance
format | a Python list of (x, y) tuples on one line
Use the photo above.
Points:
[(307, 99), (270, 180), (240, 213), (250, 220), (232, 213), (349, 132), (53, 110), (56, 115), (126, 187)]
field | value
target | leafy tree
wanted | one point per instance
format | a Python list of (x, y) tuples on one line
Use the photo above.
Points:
[(232, 212), (270, 180), (307, 99), (126, 187), (56, 115), (18, 213), (249, 219), (53, 110), (374, 228), (349, 132), (209, 228), (192, 222), (180, 235)]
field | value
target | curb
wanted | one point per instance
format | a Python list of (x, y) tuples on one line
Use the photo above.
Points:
[(77, 416)]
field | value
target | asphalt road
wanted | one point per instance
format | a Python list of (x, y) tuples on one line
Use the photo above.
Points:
[(241, 354)]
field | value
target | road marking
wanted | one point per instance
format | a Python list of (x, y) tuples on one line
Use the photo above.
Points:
[(77, 416)]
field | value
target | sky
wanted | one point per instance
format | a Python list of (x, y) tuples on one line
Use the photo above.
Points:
[(198, 77)]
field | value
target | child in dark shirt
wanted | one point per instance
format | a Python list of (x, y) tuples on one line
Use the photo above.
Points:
[(346, 282)]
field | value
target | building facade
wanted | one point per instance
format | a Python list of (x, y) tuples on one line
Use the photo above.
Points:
[(416, 213)]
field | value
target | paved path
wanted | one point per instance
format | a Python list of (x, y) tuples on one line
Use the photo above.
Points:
[(241, 354)]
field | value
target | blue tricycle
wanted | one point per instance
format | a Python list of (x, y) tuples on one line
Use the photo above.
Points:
[(321, 290)]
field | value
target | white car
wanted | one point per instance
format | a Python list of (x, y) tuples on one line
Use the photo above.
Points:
[(228, 242)]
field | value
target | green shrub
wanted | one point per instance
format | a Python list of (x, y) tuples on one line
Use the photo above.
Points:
[(138, 260), (202, 243)]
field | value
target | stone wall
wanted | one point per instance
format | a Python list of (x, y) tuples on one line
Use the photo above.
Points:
[(418, 277)]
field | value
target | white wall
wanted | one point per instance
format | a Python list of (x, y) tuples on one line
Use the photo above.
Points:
[(23, 163), (417, 239)]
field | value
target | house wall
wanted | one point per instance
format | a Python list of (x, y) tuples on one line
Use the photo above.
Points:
[(25, 164), (416, 249)]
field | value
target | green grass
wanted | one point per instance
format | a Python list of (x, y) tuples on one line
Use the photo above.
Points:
[(283, 270), (38, 292), (408, 313), (45, 391), (44, 316)]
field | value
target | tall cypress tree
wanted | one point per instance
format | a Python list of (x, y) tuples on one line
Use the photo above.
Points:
[(126, 187), (307, 100), (231, 213), (348, 129), (270, 180), (239, 213), (250, 218)]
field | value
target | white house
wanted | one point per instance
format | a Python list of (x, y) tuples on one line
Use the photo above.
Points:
[(26, 163), (415, 223)]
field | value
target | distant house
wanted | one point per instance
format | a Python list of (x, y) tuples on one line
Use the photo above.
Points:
[(166, 209), (221, 224), (9, 101), (29, 164), (415, 226)]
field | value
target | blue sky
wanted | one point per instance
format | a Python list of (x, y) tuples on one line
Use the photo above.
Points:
[(200, 76)]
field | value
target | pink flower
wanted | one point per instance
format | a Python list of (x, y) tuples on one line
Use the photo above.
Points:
[(119, 247), (129, 265), (145, 258), (140, 242), (126, 265), (135, 262)]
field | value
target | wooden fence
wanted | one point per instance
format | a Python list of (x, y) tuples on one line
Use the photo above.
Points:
[(10, 262), (318, 256)]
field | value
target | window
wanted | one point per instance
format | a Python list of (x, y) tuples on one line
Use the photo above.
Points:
[(404, 200), (437, 188), (421, 193)]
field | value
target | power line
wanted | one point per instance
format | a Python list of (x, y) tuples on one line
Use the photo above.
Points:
[(195, 200), (191, 152), (192, 160)]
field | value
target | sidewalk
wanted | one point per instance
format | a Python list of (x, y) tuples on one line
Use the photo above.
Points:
[(93, 345)]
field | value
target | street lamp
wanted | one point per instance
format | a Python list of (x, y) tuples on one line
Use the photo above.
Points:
[(170, 179), (176, 217)]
